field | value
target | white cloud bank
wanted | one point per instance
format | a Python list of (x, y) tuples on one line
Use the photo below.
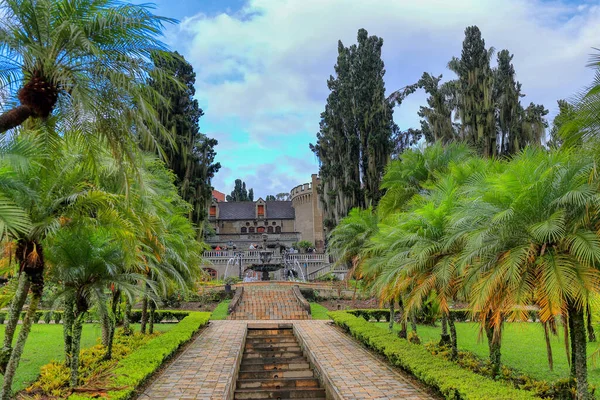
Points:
[(266, 66)]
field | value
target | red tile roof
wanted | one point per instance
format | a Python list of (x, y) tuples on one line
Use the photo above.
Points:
[(218, 195)]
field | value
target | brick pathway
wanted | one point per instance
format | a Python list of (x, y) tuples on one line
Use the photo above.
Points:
[(349, 370), (268, 302), (206, 369)]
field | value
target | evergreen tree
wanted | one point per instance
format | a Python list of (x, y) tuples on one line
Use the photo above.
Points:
[(270, 198), (566, 113), (437, 122), (354, 141), (190, 154), (507, 92), (475, 104), (239, 192)]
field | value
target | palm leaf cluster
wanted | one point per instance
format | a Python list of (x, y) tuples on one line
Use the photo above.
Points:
[(503, 236)]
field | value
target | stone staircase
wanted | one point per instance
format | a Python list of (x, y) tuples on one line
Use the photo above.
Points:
[(274, 367), (269, 302)]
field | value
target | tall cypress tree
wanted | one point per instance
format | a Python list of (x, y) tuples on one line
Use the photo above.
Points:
[(190, 154), (476, 108), (354, 142)]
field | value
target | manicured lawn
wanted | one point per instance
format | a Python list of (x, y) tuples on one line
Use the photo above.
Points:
[(220, 312), (523, 348), (318, 311), (45, 343)]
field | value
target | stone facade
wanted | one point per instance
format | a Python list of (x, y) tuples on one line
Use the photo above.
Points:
[(283, 222)]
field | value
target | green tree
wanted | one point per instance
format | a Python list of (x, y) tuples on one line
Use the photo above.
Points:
[(191, 156), (437, 123), (566, 113), (270, 197), (475, 87), (507, 92), (240, 193), (80, 58), (354, 141)]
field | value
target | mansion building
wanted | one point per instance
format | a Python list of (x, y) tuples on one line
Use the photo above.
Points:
[(244, 223)]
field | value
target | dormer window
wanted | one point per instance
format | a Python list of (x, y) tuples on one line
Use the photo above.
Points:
[(261, 210), (213, 211)]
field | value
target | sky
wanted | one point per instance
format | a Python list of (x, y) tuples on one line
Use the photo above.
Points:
[(262, 65)]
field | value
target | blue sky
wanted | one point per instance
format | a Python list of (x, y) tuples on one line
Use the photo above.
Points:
[(262, 65)]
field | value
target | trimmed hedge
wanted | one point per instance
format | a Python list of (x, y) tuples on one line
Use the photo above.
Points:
[(132, 371), (452, 381), (369, 314), (136, 316)]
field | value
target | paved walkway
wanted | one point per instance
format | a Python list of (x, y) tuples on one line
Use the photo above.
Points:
[(207, 368), (350, 370)]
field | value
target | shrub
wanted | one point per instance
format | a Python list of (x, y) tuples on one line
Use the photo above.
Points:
[(159, 316), (57, 316), (47, 317), (452, 381), (369, 314), (133, 370), (2, 317)]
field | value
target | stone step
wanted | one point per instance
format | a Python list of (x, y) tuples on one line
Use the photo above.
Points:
[(259, 333), (274, 367), (279, 383), (280, 366), (266, 347), (280, 354), (295, 393), (262, 339), (276, 374), (273, 360)]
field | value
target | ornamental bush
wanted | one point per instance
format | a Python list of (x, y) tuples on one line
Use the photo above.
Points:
[(452, 381)]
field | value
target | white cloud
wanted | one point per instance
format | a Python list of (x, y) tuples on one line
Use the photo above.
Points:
[(263, 70), (274, 56)]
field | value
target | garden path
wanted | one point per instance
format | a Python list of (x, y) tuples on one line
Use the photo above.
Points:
[(207, 368)]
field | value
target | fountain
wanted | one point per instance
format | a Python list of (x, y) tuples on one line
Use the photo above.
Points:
[(236, 260), (265, 266)]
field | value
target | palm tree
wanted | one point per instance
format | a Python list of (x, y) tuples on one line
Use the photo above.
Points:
[(86, 260), (83, 60), (532, 238), (51, 192)]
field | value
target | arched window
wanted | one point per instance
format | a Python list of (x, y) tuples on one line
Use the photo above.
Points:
[(247, 223), (277, 229), (270, 229), (274, 223), (244, 229), (260, 229), (211, 272), (251, 229)]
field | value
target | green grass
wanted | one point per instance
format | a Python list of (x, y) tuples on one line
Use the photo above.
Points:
[(523, 348), (220, 312), (45, 343), (318, 311)]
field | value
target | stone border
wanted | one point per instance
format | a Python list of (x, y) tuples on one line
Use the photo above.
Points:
[(331, 390), (232, 381), (239, 291), (303, 303)]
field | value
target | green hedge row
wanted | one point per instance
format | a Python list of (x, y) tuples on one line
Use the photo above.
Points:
[(369, 314), (136, 316), (132, 371), (452, 381)]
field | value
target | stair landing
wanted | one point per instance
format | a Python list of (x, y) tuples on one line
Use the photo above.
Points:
[(269, 303)]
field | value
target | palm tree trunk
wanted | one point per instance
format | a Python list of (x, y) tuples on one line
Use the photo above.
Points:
[(453, 341), (403, 333), (104, 325), (77, 327), (392, 312), (68, 319), (590, 326), (36, 289), (414, 337), (113, 323), (494, 338), (14, 117), (579, 348), (144, 320), (151, 319), (127, 317), (548, 346), (565, 322), (573, 351), (16, 306), (445, 339)]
